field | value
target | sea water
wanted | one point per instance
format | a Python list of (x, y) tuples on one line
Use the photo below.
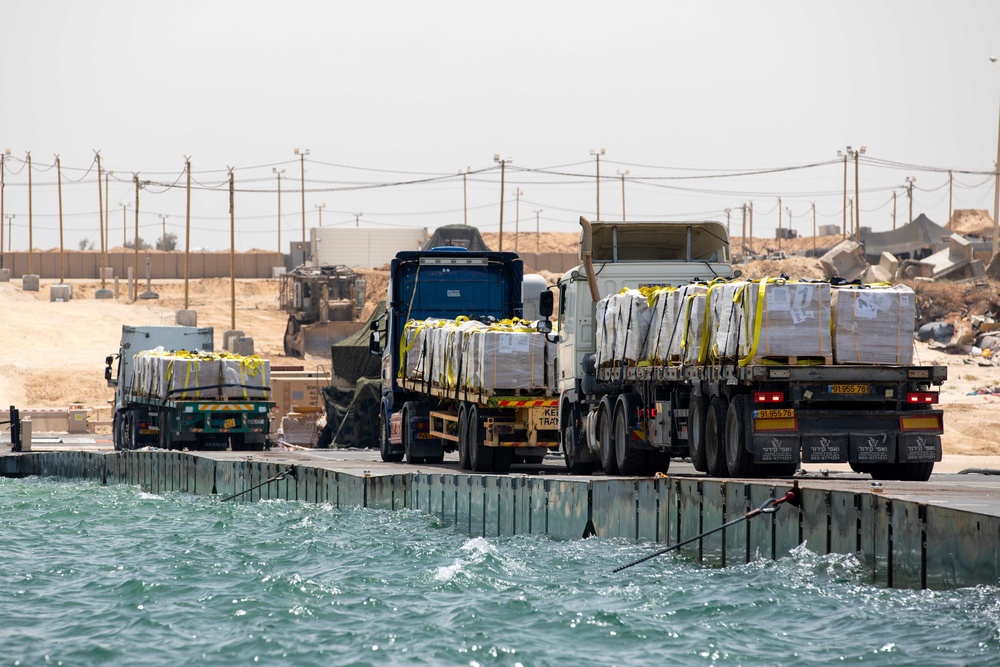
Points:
[(111, 575)]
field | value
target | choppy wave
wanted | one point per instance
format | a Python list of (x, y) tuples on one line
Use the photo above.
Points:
[(113, 575)]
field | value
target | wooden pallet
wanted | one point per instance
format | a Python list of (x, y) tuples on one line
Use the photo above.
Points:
[(794, 360)]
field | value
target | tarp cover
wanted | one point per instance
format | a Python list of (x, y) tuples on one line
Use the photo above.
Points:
[(351, 359), (352, 417), (921, 234), (456, 236)]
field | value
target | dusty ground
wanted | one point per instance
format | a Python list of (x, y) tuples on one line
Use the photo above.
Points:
[(53, 353)]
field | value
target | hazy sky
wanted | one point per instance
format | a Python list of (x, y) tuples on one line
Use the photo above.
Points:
[(388, 92)]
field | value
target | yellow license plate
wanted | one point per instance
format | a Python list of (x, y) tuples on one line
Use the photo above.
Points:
[(779, 413), (849, 389), (425, 436), (229, 423)]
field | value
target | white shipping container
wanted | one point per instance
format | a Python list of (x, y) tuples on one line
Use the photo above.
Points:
[(359, 247)]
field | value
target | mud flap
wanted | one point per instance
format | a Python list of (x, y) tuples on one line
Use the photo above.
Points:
[(776, 448), (873, 447), (825, 448), (918, 448)]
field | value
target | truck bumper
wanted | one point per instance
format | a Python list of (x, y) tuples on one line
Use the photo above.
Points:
[(886, 437)]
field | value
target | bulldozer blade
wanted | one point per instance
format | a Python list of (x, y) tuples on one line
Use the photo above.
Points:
[(317, 338)]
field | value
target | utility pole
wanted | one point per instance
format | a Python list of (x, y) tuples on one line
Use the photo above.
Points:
[(107, 222), (622, 174), (187, 233), (135, 242), (100, 207), (232, 250), (910, 180), (743, 243), (850, 206), (302, 155), (503, 164), (517, 216), (357, 219), (10, 231), (751, 228), (844, 155), (538, 233), (779, 223), (163, 238), (814, 228), (465, 196), (894, 209), (951, 184), (2, 213), (598, 154), (320, 207), (62, 256), (789, 212), (857, 196), (124, 225), (31, 219), (727, 222), (279, 172), (996, 185)]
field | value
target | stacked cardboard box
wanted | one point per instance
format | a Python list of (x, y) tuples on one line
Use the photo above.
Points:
[(786, 319), (873, 325)]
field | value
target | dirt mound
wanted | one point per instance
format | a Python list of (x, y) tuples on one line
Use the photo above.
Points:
[(798, 268), (971, 222)]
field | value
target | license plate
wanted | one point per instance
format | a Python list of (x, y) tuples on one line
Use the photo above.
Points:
[(778, 413), (229, 423), (849, 389)]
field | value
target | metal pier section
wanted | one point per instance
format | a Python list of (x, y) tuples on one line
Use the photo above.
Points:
[(940, 534)]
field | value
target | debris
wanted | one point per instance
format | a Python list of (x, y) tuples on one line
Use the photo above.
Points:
[(939, 331), (846, 260)]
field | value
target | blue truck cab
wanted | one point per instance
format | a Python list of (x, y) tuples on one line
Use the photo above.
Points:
[(441, 283)]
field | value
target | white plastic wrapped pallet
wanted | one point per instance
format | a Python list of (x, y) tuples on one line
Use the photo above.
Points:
[(508, 359), (693, 314), (249, 378), (415, 350), (604, 333), (792, 320), (678, 328), (660, 315), (724, 320), (631, 324), (873, 325)]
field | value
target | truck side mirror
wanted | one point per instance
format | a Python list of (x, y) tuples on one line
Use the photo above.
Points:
[(107, 370), (545, 303), (374, 346), (374, 325)]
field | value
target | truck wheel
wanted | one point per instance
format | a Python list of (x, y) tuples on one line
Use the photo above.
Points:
[(631, 460), (714, 437), (117, 437), (605, 431), (659, 461), (407, 445), (697, 409), (573, 452), (502, 458), (384, 448), (464, 460), (481, 457), (738, 430), (904, 472)]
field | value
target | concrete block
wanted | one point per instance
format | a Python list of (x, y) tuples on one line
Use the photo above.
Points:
[(104, 294), (29, 282), (60, 292), (977, 269), (186, 318), (278, 271), (106, 272), (950, 262), (846, 260), (242, 345), (960, 248), (828, 230), (4, 275), (889, 262), (912, 268), (876, 274), (228, 335)]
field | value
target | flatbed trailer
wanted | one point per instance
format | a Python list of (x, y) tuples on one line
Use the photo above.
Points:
[(765, 420), (489, 429), (204, 424)]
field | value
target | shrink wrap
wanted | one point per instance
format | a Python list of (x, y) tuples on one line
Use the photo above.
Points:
[(874, 325), (785, 319)]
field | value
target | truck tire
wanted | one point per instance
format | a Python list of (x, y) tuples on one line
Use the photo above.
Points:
[(714, 437), (606, 434), (384, 448), (904, 472), (503, 457), (407, 445), (631, 460), (697, 409), (739, 459), (165, 439), (464, 459), (659, 461), (573, 451), (481, 457), (117, 438)]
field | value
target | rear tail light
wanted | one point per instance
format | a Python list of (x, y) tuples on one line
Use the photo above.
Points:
[(648, 413), (922, 397), (769, 397)]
